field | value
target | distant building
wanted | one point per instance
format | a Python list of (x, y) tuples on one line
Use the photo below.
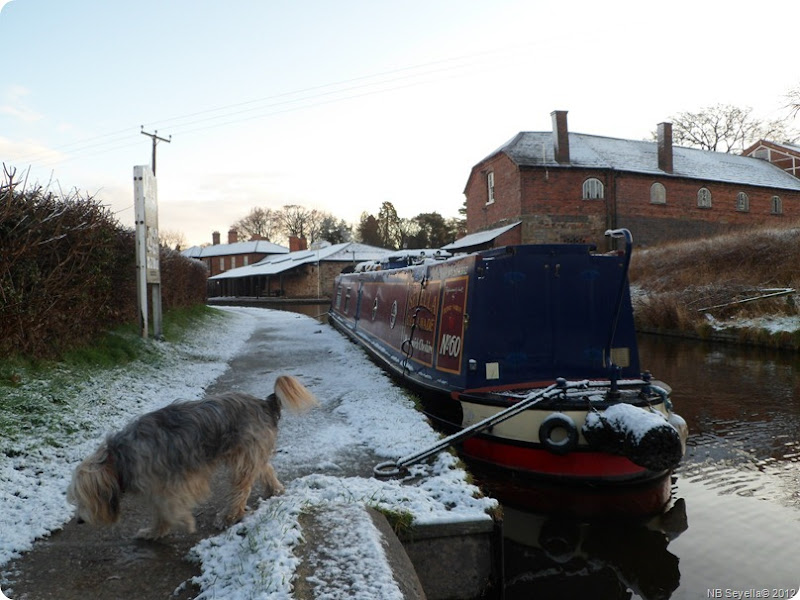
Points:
[(220, 258), (786, 156), (304, 273), (557, 186)]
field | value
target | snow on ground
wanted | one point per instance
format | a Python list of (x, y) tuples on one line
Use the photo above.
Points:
[(771, 323), (256, 558)]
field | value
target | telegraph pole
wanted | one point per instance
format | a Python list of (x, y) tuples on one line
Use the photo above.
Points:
[(156, 138), (147, 245)]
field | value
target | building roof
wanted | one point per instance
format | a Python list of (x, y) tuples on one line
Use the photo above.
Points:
[(535, 149), (479, 238), (252, 247), (351, 252)]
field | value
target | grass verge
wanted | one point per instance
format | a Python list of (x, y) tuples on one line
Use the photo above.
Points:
[(41, 396)]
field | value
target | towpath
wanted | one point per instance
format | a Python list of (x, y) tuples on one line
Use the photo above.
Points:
[(325, 459)]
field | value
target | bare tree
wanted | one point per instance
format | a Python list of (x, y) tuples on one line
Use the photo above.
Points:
[(725, 128), (296, 220), (793, 98), (260, 222), (172, 238)]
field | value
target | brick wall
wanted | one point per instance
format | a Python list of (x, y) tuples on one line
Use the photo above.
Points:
[(550, 204), (215, 264)]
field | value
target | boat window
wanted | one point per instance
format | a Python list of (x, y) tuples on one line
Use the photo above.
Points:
[(658, 193), (704, 198), (593, 189), (777, 205), (338, 296), (490, 187), (346, 301), (742, 202)]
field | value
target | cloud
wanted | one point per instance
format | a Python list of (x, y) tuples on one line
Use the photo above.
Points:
[(14, 105)]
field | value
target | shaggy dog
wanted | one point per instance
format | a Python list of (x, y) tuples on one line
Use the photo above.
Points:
[(168, 457)]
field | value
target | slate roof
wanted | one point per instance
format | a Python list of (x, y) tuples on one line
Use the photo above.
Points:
[(535, 149), (479, 238), (272, 265), (253, 247)]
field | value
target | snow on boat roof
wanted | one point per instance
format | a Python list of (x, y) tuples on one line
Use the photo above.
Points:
[(272, 265)]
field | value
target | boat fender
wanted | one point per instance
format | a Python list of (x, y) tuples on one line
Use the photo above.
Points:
[(560, 445)]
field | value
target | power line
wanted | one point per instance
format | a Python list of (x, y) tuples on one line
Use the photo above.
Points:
[(285, 102)]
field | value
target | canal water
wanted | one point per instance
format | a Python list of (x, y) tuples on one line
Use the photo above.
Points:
[(732, 529), (732, 526)]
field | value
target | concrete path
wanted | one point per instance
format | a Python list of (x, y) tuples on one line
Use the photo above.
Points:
[(82, 562)]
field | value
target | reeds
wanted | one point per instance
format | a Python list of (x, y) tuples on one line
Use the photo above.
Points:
[(697, 287)]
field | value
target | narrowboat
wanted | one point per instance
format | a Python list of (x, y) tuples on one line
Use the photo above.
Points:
[(550, 325)]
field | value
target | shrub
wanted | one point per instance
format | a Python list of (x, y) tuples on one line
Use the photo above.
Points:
[(68, 272)]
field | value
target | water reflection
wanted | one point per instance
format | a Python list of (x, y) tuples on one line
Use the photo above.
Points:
[(551, 558), (734, 518)]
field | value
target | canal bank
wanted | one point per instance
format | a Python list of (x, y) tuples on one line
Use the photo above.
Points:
[(323, 535)]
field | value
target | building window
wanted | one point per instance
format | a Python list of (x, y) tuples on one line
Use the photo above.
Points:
[(593, 189), (221, 263), (742, 202), (704, 198), (658, 193), (245, 261), (233, 262), (777, 205), (490, 187)]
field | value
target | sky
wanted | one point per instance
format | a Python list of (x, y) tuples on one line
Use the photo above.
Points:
[(342, 105)]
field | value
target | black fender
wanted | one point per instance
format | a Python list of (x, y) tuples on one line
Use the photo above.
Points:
[(558, 421)]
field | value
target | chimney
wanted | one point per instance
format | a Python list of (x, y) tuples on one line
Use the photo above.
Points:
[(560, 136), (665, 147), (233, 236), (297, 243), (215, 238)]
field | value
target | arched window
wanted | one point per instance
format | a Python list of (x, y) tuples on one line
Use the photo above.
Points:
[(658, 193), (593, 189), (742, 202), (777, 205), (704, 198)]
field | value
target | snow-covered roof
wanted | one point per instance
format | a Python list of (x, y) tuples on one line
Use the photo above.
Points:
[(535, 149), (479, 238), (252, 247), (274, 264)]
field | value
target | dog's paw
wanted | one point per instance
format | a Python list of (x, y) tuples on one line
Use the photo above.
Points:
[(224, 521), (148, 533)]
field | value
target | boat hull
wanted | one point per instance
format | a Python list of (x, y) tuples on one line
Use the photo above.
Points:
[(477, 334)]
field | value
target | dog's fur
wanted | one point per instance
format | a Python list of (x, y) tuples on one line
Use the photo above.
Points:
[(169, 455)]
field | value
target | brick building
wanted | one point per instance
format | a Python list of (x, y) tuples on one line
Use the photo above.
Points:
[(304, 273), (571, 187), (219, 258), (785, 156)]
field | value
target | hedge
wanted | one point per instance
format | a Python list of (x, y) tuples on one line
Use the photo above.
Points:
[(68, 272)]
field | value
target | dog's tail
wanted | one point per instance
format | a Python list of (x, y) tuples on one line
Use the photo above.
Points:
[(293, 394)]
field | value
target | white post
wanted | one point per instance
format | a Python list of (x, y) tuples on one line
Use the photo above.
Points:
[(148, 269)]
